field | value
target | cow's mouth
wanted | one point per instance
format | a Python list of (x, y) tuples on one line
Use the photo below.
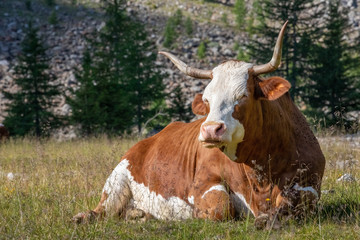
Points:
[(212, 144)]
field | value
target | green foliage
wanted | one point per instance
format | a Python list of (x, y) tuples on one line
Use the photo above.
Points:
[(169, 33), (188, 26), (242, 55), (119, 81), (270, 15), (29, 110), (331, 91), (53, 20), (240, 13), (171, 27), (28, 5), (50, 3), (201, 51), (178, 109), (224, 19), (178, 16)]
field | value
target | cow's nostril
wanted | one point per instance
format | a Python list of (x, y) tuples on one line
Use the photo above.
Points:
[(220, 129)]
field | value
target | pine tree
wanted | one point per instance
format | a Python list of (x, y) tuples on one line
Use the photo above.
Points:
[(119, 83), (332, 90), (240, 13), (178, 109), (304, 17), (29, 110)]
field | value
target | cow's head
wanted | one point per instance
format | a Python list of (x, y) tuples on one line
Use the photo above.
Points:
[(228, 90)]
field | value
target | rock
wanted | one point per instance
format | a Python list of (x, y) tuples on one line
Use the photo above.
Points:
[(347, 164), (10, 176), (328, 191), (347, 177), (227, 52)]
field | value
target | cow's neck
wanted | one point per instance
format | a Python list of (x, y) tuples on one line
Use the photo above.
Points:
[(268, 134)]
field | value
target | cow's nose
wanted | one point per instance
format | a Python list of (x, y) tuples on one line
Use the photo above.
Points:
[(213, 131)]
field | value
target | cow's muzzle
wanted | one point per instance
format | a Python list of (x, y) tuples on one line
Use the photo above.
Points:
[(212, 134)]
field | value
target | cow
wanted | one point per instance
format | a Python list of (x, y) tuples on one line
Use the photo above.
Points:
[(252, 154), (4, 133)]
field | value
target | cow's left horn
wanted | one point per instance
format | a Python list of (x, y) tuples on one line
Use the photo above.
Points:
[(276, 58), (192, 72)]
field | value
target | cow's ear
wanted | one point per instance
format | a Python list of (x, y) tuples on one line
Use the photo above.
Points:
[(198, 106), (273, 88)]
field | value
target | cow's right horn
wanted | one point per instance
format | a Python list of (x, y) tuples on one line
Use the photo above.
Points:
[(276, 58), (192, 72)]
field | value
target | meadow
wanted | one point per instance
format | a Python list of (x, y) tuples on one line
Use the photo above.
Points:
[(44, 183)]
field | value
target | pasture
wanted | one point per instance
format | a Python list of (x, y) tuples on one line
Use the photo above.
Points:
[(52, 181)]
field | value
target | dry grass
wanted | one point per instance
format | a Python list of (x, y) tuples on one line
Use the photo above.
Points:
[(55, 180)]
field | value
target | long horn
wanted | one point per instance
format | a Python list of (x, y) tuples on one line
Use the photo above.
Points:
[(192, 72), (276, 58)]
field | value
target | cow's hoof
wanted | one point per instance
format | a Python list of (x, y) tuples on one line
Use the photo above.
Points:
[(261, 221), (84, 217), (137, 215), (273, 224)]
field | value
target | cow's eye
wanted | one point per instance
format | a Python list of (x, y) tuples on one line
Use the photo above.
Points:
[(242, 98)]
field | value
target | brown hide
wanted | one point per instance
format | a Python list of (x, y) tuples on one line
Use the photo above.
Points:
[(278, 151)]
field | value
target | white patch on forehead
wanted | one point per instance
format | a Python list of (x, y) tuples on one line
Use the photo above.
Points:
[(229, 80), (306, 189), (172, 208), (214, 188)]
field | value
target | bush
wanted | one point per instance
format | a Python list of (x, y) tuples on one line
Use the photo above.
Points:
[(178, 18), (28, 5), (201, 50), (188, 26), (170, 29), (224, 19), (169, 33), (240, 12), (50, 2), (53, 20)]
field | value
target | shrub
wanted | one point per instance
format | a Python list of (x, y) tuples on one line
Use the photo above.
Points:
[(53, 20), (201, 50), (188, 26)]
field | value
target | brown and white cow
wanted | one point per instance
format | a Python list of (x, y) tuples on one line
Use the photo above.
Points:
[(253, 152), (4, 133)]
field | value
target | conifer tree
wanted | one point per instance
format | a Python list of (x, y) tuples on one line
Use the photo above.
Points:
[(119, 84), (178, 109), (332, 91), (30, 108), (240, 13), (304, 17)]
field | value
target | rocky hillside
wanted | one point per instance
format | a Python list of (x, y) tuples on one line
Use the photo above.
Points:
[(75, 19)]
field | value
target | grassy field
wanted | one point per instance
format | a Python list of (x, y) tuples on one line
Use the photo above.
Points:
[(52, 181)]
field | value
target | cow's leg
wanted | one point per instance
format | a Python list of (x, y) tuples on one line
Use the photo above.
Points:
[(115, 196), (213, 203), (295, 201)]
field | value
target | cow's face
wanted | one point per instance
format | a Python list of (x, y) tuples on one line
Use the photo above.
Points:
[(227, 87), (228, 90)]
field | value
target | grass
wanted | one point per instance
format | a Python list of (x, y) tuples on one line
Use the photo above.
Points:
[(55, 180)]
